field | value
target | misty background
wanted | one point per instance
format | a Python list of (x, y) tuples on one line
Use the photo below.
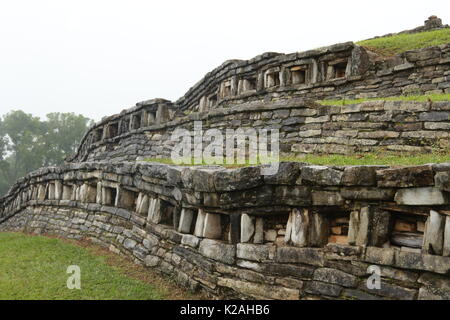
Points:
[(98, 57)]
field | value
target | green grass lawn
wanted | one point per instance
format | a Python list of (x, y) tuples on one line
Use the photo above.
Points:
[(389, 46), (34, 267), (387, 158), (419, 98)]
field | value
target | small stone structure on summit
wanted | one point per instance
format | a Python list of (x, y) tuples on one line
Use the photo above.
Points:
[(306, 232)]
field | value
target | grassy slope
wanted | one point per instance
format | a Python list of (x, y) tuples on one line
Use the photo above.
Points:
[(34, 267), (388, 46)]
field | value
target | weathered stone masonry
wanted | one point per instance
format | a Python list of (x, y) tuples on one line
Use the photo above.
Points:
[(342, 71), (306, 232), (305, 127)]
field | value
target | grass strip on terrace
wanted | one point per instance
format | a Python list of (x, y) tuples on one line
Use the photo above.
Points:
[(393, 159), (395, 44), (419, 98)]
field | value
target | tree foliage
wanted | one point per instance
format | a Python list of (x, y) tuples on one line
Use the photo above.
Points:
[(28, 143)]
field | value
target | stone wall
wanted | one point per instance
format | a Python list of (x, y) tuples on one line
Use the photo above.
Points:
[(304, 126), (341, 71), (307, 232)]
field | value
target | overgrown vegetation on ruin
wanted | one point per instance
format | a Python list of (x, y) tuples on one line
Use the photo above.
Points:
[(385, 158), (395, 44), (34, 267), (420, 98)]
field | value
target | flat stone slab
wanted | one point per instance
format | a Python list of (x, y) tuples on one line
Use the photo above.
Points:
[(421, 196)]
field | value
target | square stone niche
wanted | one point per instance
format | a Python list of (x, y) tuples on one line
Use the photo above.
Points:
[(272, 79), (299, 75), (226, 89), (338, 227), (124, 125), (336, 69), (407, 232), (247, 85), (112, 130), (135, 121), (126, 199), (212, 100), (212, 225), (98, 135), (109, 195)]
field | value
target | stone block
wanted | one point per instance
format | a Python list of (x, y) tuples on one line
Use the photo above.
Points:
[(247, 227), (383, 256), (253, 252), (259, 231), (259, 291), (334, 276), (238, 179), (427, 294), (392, 291), (212, 227), (288, 172), (203, 179), (190, 240), (142, 204), (419, 176), (323, 289), (293, 195), (311, 256), (186, 220), (433, 241), (327, 198), (442, 181), (200, 223), (218, 251), (288, 270), (270, 235), (51, 191), (367, 193), (99, 197), (359, 295), (58, 190), (297, 228), (380, 227), (321, 175), (260, 196), (446, 249), (359, 176), (421, 196), (358, 233)]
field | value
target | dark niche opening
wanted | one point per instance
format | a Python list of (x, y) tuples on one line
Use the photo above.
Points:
[(338, 227), (407, 231), (339, 70), (136, 121), (273, 79), (113, 130), (109, 196)]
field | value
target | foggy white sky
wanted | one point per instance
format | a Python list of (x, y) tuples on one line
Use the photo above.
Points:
[(98, 57)]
